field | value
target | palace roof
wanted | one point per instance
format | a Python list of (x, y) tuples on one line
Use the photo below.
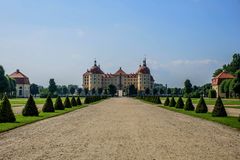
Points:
[(19, 77), (120, 72), (221, 76)]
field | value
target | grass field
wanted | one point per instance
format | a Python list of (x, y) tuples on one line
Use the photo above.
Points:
[(229, 121), (22, 101), (21, 120)]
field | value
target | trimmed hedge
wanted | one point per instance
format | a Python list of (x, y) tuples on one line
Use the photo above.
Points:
[(172, 102), (201, 106), (180, 103), (219, 109), (79, 101), (48, 105), (67, 103), (189, 105), (73, 102), (152, 99), (6, 113), (30, 109), (58, 104), (167, 101), (91, 99)]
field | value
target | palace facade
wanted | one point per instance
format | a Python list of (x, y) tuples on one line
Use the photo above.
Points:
[(96, 78)]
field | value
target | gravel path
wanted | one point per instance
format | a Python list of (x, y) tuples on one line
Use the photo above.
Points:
[(121, 128)]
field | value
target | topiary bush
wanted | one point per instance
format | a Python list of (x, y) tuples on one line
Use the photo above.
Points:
[(73, 102), (180, 103), (166, 103), (201, 106), (172, 102), (219, 109), (58, 104), (67, 103), (48, 105), (6, 113), (30, 109), (189, 105), (79, 101)]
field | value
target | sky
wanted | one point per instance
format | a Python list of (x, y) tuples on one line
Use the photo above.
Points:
[(181, 39)]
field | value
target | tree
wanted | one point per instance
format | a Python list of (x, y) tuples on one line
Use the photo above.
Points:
[(188, 105), (166, 102), (58, 104), (79, 101), (6, 113), (48, 105), (147, 91), (219, 109), (73, 102), (34, 89), (67, 103), (201, 106), (52, 86), (30, 109), (212, 93), (217, 72), (3, 82), (100, 90), (86, 91), (180, 103), (93, 91), (79, 91), (236, 86), (187, 87), (155, 91), (172, 102), (65, 90), (72, 90), (112, 90), (132, 90)]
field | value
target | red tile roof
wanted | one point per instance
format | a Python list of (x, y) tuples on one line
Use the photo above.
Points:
[(19, 77), (120, 72), (222, 76)]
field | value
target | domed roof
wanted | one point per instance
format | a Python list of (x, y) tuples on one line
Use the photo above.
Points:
[(96, 69), (120, 72), (144, 69)]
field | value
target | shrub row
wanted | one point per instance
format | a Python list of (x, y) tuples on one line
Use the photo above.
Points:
[(152, 99), (218, 111), (30, 108), (91, 99)]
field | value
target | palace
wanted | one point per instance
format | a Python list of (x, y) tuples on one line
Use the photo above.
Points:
[(96, 78)]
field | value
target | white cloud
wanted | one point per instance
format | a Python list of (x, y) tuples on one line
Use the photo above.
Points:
[(80, 33), (190, 62)]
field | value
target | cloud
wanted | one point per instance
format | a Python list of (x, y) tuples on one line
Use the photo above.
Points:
[(80, 33)]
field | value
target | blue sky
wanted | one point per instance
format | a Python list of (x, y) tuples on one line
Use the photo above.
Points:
[(60, 39)]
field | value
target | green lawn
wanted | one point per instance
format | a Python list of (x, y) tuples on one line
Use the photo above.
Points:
[(22, 101), (21, 120), (229, 121)]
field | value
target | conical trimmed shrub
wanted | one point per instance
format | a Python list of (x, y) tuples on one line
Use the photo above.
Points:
[(79, 101), (172, 102), (180, 103), (73, 101), (219, 109), (201, 106), (58, 104), (189, 105), (30, 109), (159, 100), (6, 113), (48, 105), (67, 103), (87, 100), (166, 102)]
